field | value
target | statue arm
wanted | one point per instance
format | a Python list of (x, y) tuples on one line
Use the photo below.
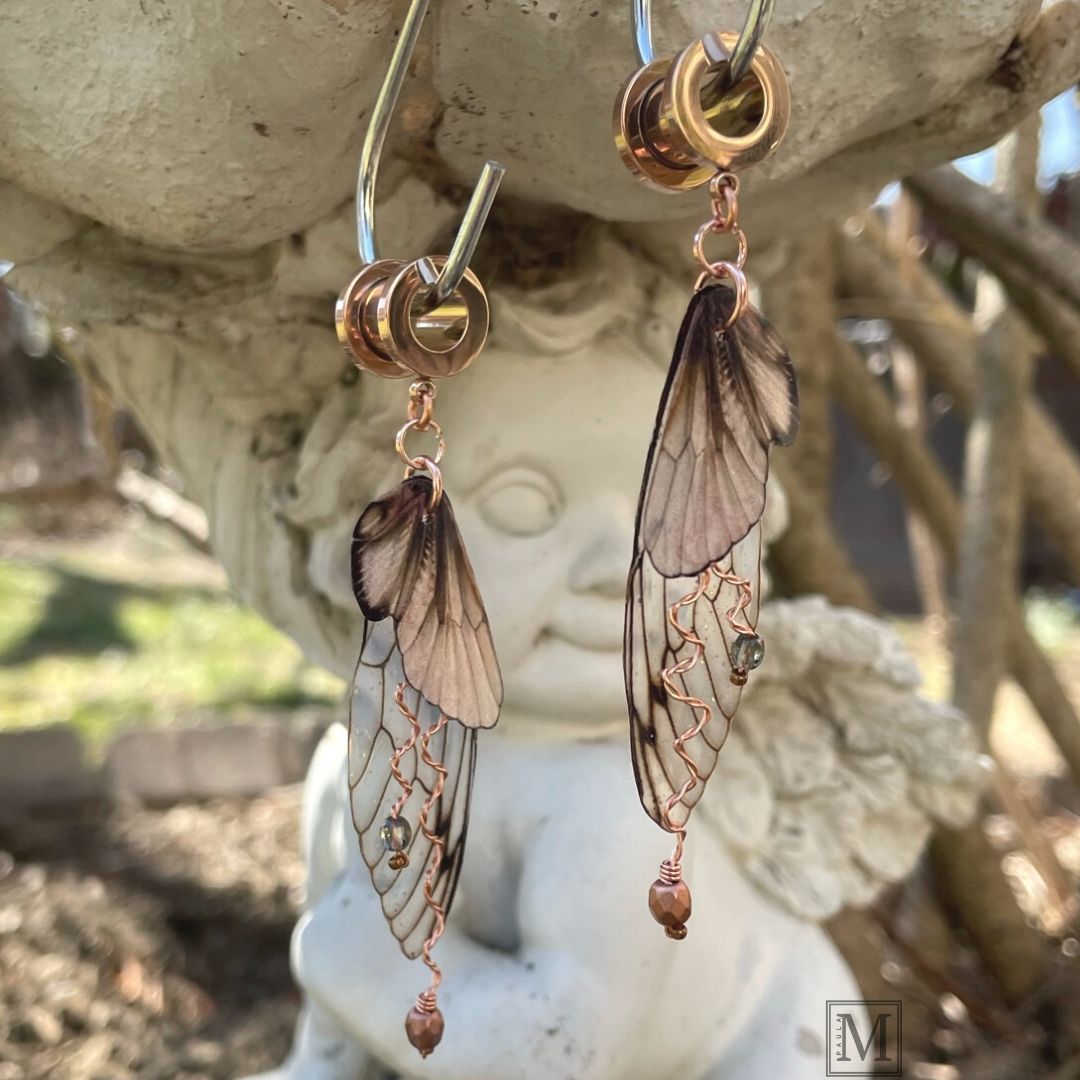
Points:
[(567, 993)]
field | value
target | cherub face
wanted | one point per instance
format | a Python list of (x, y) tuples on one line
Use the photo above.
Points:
[(543, 466)]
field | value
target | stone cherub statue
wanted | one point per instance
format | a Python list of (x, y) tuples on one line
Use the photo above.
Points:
[(827, 788)]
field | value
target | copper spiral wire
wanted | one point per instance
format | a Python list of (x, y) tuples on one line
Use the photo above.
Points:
[(426, 1001), (670, 869), (670, 872), (701, 709), (736, 614), (402, 750)]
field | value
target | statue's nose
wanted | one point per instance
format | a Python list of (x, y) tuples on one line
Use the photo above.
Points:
[(601, 564)]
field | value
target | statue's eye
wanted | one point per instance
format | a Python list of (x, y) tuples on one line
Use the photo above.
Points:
[(520, 502)]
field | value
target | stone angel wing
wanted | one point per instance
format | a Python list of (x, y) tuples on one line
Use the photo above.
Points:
[(730, 394), (409, 563), (839, 769), (377, 726), (653, 645)]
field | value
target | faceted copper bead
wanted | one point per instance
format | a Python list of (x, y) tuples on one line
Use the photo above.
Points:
[(670, 906), (424, 1029), (738, 676)]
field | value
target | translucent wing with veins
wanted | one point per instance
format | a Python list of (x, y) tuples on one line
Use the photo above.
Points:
[(651, 645), (376, 728), (408, 562), (730, 394)]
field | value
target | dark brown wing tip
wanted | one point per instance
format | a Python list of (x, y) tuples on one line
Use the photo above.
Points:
[(372, 612), (378, 518)]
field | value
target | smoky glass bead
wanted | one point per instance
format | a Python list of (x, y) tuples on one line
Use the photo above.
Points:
[(395, 834), (747, 652)]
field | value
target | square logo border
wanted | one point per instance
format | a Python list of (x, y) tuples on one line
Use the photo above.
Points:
[(865, 1003)]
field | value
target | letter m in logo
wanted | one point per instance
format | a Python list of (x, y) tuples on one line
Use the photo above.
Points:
[(863, 1038)]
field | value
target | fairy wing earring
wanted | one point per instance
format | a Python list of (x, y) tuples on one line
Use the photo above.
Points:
[(690, 636), (427, 679)]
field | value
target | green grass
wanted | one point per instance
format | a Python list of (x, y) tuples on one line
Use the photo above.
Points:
[(94, 642)]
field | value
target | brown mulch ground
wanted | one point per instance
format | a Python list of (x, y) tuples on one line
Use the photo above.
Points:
[(148, 943), (152, 944)]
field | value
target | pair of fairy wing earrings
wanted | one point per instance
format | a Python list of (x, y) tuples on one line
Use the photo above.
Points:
[(428, 679)]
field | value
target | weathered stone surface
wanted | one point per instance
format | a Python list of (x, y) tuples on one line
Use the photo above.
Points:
[(189, 125)]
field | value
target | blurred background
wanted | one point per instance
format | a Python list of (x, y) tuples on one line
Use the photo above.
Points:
[(153, 730)]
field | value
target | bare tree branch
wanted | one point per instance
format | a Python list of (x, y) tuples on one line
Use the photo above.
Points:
[(800, 300), (967, 866), (991, 531), (809, 557), (999, 231), (1048, 316), (925, 484), (943, 341)]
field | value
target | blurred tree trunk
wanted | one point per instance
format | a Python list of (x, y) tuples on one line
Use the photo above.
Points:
[(987, 584), (801, 302)]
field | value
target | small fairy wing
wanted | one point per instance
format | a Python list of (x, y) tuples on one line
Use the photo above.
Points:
[(376, 727), (652, 645), (729, 395), (409, 563)]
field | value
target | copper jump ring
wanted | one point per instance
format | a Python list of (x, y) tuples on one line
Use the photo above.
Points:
[(421, 462), (724, 195), (714, 228), (719, 270), (422, 403)]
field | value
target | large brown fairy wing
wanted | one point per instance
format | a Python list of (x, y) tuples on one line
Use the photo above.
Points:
[(409, 563), (376, 728), (729, 395), (651, 644)]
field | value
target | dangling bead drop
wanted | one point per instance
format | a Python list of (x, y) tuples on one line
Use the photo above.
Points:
[(424, 1025), (669, 900)]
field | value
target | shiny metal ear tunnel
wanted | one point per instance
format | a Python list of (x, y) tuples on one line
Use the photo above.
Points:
[(674, 130), (429, 317)]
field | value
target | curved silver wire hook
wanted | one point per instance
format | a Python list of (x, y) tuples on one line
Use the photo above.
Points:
[(472, 224), (757, 21)]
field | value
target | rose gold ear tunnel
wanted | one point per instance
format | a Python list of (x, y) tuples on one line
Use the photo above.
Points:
[(429, 317), (388, 324), (675, 124)]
